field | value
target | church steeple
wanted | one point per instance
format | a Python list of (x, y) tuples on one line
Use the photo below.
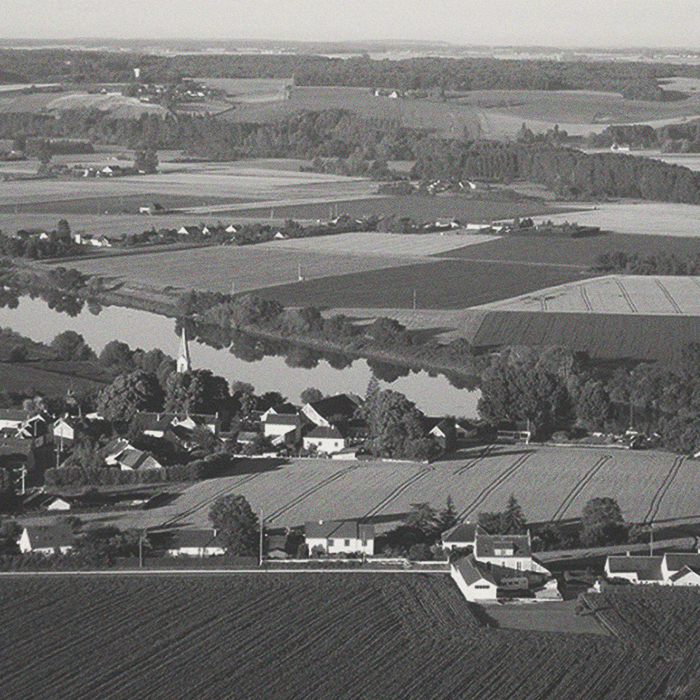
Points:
[(184, 363)]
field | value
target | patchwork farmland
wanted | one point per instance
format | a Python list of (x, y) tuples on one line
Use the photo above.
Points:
[(649, 486), (322, 635)]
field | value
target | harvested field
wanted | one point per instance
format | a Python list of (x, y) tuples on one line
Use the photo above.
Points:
[(421, 209), (293, 635), (217, 268), (550, 483), (603, 336), (249, 89), (377, 243), (573, 251), (614, 294), (445, 284), (649, 218)]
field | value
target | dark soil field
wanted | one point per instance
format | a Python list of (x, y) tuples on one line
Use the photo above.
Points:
[(321, 636), (573, 251), (127, 204), (421, 209), (602, 336), (445, 284)]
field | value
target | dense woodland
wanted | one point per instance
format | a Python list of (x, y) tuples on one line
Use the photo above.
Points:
[(633, 80)]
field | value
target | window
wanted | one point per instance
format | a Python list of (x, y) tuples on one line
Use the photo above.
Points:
[(347, 543), (482, 585)]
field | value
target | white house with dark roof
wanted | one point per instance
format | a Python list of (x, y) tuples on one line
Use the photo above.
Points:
[(475, 582), (508, 551), (328, 440), (332, 409), (461, 536), (196, 543), (340, 536), (282, 427), (670, 569), (47, 539)]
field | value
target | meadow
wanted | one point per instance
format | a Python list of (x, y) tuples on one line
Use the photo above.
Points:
[(442, 284), (293, 635), (605, 336), (550, 483)]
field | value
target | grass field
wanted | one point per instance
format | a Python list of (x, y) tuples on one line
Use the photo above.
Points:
[(605, 336), (249, 89), (444, 284), (550, 483), (573, 251), (51, 378), (320, 636)]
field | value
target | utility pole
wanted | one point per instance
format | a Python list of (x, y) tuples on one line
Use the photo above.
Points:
[(142, 535), (262, 527), (414, 299), (651, 540)]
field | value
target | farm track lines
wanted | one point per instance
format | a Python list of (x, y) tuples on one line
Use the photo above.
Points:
[(663, 490), (578, 488), (585, 298), (668, 296), (309, 492), (209, 500), (498, 481), (396, 492), (473, 462), (626, 295)]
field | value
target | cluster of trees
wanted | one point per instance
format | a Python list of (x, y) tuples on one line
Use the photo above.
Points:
[(27, 244), (661, 263), (568, 172)]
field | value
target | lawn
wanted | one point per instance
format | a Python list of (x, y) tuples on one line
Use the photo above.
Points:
[(443, 284)]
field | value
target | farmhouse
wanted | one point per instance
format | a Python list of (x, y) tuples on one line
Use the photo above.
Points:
[(461, 536), (196, 543), (473, 581), (326, 440), (47, 539), (339, 537), (508, 551), (332, 409), (671, 569), (282, 428)]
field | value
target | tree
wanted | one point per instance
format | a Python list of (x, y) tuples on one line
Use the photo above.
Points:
[(146, 159), (602, 523), (233, 517), (514, 522), (447, 517), (116, 355), (128, 394), (198, 391), (70, 345), (310, 395), (423, 518)]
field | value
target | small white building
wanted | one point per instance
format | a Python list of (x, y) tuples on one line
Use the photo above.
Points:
[(326, 440), (64, 430), (59, 504), (197, 543), (508, 551), (283, 428), (47, 539), (671, 569), (340, 536), (474, 582)]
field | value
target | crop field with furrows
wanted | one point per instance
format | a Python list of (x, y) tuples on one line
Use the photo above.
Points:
[(295, 635), (217, 268), (573, 251), (551, 484), (444, 284), (604, 336), (421, 209), (614, 294), (377, 243), (249, 89), (649, 218)]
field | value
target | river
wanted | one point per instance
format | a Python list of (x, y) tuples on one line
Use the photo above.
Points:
[(433, 394)]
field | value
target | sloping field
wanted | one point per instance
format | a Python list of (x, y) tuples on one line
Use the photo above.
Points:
[(327, 636), (550, 484), (573, 251), (377, 243), (217, 268), (444, 284), (650, 218), (605, 336), (614, 294), (249, 89)]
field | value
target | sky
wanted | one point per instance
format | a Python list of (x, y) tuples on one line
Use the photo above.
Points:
[(559, 23)]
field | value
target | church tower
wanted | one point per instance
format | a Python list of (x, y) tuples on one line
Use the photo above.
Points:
[(184, 364)]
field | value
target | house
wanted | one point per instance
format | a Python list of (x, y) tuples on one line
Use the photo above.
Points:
[(196, 543), (188, 231), (326, 440), (474, 581), (47, 539), (339, 537), (285, 427), (461, 536), (64, 429), (17, 418), (508, 551), (156, 424), (332, 409), (443, 432), (58, 503), (642, 569), (131, 459)]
